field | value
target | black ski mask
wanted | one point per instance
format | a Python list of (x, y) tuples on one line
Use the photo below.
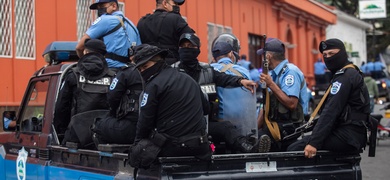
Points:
[(101, 11), (189, 56), (338, 60), (152, 71)]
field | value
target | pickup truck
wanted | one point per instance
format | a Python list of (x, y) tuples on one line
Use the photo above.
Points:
[(33, 149)]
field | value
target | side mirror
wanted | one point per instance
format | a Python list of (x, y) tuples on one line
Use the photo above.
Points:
[(8, 122)]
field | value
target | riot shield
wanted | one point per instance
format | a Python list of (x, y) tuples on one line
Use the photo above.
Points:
[(238, 105)]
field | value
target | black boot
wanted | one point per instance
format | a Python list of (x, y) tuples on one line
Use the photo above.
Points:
[(244, 146)]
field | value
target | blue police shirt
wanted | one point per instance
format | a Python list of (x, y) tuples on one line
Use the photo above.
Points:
[(6, 122), (291, 82), (117, 42), (228, 97), (319, 68), (370, 66), (378, 66), (244, 63), (364, 68)]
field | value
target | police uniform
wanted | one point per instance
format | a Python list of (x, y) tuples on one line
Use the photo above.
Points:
[(84, 89), (120, 125), (223, 93), (163, 29), (291, 81), (341, 126), (172, 105), (119, 41)]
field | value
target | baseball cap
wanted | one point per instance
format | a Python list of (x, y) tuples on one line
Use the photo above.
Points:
[(192, 37), (95, 45), (94, 5), (273, 45), (145, 52), (221, 48)]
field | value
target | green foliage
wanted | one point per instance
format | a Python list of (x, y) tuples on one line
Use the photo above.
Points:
[(376, 44)]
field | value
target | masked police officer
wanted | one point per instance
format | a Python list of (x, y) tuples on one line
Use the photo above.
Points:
[(120, 125), (288, 99), (117, 32), (84, 88), (171, 107), (209, 79), (341, 126), (164, 27)]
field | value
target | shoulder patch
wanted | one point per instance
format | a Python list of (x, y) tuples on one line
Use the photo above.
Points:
[(335, 87), (144, 99), (113, 84), (341, 71), (97, 20), (289, 80)]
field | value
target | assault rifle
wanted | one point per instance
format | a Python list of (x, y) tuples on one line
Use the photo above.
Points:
[(307, 127)]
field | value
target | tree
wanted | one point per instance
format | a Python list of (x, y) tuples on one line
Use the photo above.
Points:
[(375, 44)]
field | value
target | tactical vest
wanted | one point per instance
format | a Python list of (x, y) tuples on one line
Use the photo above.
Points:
[(129, 101), (91, 95), (278, 112), (206, 81)]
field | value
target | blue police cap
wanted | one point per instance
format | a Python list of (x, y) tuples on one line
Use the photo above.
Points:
[(97, 2)]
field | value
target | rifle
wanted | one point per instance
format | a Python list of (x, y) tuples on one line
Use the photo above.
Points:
[(308, 126)]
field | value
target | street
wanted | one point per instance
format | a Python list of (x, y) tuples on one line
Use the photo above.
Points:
[(378, 167)]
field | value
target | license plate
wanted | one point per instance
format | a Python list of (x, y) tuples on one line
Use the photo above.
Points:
[(261, 166), (321, 93)]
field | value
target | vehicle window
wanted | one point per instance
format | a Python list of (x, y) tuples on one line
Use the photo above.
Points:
[(32, 115)]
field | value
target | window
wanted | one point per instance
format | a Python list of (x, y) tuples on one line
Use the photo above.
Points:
[(33, 109), (213, 31), (25, 29), (6, 28), (255, 42), (85, 16)]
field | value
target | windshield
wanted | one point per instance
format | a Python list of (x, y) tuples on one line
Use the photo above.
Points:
[(32, 115)]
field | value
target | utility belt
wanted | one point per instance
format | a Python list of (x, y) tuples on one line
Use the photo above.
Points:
[(191, 140), (116, 57)]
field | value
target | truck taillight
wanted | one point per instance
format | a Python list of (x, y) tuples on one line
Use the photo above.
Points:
[(384, 84)]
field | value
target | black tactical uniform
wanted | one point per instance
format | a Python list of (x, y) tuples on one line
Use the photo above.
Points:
[(84, 89), (163, 29), (171, 104), (120, 125), (342, 123)]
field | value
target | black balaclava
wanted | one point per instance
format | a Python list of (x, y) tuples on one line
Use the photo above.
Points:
[(151, 71), (189, 56), (337, 61)]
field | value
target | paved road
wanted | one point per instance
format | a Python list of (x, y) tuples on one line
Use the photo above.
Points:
[(378, 167)]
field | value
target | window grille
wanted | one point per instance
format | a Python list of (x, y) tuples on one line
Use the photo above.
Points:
[(213, 31), (85, 16), (25, 29), (6, 28)]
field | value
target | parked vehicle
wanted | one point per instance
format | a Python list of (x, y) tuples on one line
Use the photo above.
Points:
[(33, 150)]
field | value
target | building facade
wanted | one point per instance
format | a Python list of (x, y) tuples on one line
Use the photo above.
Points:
[(27, 26)]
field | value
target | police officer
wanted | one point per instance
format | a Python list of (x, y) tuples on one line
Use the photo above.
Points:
[(341, 126), (171, 106), (208, 79), (288, 96), (120, 125), (84, 88), (164, 27), (117, 32)]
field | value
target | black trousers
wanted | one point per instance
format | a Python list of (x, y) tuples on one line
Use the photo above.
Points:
[(223, 131), (332, 143), (113, 130)]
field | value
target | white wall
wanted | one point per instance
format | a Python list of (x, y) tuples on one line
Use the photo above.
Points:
[(352, 32)]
